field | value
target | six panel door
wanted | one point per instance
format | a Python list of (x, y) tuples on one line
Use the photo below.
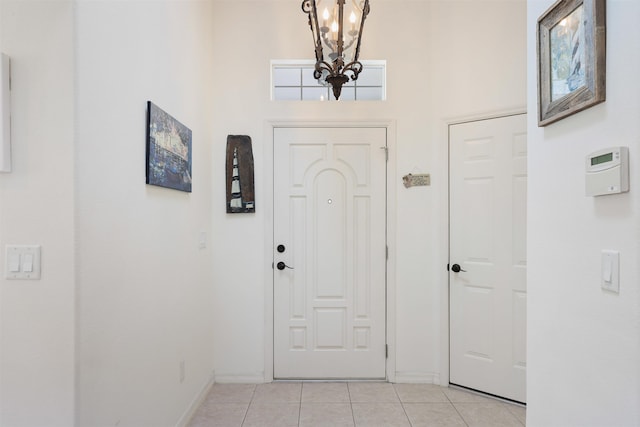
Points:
[(488, 295)]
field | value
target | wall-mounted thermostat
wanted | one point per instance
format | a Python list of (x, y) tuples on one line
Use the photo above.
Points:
[(607, 171)]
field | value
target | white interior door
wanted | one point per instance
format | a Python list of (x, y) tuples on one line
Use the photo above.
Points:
[(488, 199), (330, 232)]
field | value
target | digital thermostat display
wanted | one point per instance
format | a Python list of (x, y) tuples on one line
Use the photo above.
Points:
[(601, 159), (607, 171)]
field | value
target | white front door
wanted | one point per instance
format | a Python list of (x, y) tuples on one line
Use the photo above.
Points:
[(488, 295), (330, 238)]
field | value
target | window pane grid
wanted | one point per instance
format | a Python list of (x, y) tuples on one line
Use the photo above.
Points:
[(284, 84)]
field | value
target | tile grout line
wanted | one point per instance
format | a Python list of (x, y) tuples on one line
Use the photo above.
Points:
[(246, 411), (401, 404), (456, 409), (500, 403), (353, 415), (300, 402)]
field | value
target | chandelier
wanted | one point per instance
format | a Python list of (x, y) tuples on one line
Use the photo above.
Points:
[(337, 43)]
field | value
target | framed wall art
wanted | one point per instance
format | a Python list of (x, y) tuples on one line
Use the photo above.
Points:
[(239, 172), (168, 150), (571, 58)]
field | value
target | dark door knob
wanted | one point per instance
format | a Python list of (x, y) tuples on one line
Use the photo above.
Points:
[(281, 266), (456, 268)]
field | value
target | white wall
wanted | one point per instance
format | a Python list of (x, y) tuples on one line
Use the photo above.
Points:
[(583, 342), (36, 207), (445, 60), (144, 290), (144, 286)]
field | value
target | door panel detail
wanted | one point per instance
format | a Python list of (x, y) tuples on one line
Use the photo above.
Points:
[(330, 214)]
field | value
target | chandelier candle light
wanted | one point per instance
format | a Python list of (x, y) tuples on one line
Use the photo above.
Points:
[(337, 45)]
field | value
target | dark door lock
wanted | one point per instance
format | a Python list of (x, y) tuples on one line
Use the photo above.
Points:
[(280, 248), (456, 268), (281, 266)]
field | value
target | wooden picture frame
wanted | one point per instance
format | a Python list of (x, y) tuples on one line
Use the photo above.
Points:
[(241, 194), (571, 44)]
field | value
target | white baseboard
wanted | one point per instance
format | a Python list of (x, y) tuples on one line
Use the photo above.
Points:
[(191, 410), (417, 378)]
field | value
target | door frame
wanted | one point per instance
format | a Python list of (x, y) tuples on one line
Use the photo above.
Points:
[(445, 245), (269, 127)]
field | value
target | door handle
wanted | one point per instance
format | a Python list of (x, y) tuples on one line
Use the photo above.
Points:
[(456, 268), (281, 266)]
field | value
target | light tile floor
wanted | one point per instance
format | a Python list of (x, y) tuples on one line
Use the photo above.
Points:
[(338, 404)]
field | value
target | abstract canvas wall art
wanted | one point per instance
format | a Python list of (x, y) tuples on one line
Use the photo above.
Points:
[(168, 150)]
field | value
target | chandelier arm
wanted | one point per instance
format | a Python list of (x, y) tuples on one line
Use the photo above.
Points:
[(353, 39), (328, 43), (309, 7), (340, 41), (324, 65), (365, 11), (355, 67)]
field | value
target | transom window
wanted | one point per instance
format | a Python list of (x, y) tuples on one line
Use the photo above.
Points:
[(293, 81)]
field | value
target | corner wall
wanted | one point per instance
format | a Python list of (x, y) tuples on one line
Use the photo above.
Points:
[(144, 285), (584, 342), (37, 319)]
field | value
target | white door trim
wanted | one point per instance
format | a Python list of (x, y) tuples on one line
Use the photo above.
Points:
[(444, 242), (392, 182)]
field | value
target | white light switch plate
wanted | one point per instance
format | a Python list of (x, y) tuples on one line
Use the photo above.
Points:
[(610, 272), (202, 239), (22, 262)]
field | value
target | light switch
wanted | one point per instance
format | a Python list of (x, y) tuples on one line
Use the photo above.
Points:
[(27, 265), (13, 263), (22, 262), (611, 270)]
